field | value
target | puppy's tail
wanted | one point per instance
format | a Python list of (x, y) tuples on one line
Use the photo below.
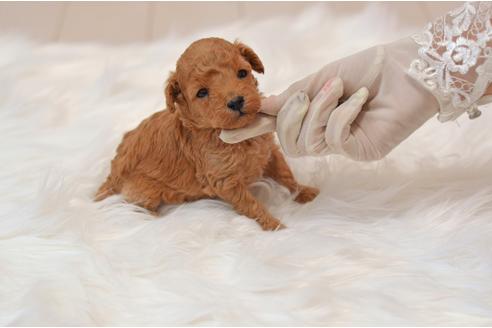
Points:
[(107, 189)]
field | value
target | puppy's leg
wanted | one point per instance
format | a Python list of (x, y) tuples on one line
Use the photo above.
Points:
[(171, 196), (279, 171), (143, 191), (244, 202)]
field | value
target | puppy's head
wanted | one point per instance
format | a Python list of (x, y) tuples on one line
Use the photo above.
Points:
[(213, 86)]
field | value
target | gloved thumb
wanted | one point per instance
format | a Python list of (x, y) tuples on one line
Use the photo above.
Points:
[(271, 105)]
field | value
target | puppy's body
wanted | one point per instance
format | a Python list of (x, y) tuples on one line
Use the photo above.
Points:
[(172, 157), (184, 161)]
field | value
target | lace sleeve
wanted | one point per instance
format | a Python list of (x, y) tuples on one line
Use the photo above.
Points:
[(455, 59)]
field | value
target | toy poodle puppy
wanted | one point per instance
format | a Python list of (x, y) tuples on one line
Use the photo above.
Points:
[(176, 156)]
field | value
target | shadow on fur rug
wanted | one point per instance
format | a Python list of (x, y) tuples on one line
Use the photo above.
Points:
[(404, 241)]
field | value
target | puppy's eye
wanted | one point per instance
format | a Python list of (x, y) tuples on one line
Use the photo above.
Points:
[(242, 73), (202, 93)]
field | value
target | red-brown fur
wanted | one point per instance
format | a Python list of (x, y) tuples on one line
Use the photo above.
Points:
[(175, 155)]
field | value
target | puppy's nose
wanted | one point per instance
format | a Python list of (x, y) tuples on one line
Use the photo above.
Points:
[(236, 103)]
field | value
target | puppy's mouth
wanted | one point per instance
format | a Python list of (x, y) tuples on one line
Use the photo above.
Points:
[(242, 112), (245, 113), (240, 118)]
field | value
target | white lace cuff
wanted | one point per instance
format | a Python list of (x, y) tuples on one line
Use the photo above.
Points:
[(455, 61)]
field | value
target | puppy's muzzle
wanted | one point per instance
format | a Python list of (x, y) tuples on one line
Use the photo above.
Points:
[(236, 104)]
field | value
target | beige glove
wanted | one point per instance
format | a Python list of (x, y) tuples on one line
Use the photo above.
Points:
[(447, 69), (304, 127), (363, 130)]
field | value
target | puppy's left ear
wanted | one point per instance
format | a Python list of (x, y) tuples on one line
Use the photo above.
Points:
[(250, 56), (172, 92)]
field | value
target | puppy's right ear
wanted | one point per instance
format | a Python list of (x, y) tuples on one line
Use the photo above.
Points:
[(172, 92)]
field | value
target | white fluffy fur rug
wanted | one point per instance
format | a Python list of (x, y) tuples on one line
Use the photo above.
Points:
[(407, 240)]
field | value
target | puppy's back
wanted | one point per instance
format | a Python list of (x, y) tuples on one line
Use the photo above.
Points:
[(148, 138)]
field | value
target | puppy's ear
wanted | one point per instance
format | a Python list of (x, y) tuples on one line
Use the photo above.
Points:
[(250, 56), (172, 92)]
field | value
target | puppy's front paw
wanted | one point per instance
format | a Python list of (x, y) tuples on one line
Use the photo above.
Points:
[(306, 194), (271, 224)]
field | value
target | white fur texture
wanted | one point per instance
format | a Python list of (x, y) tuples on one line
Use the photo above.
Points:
[(407, 240)]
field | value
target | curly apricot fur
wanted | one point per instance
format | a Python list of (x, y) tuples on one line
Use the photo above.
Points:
[(176, 156)]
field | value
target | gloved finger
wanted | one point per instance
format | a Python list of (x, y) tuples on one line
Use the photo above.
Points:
[(289, 122), (261, 125), (340, 121), (312, 136)]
